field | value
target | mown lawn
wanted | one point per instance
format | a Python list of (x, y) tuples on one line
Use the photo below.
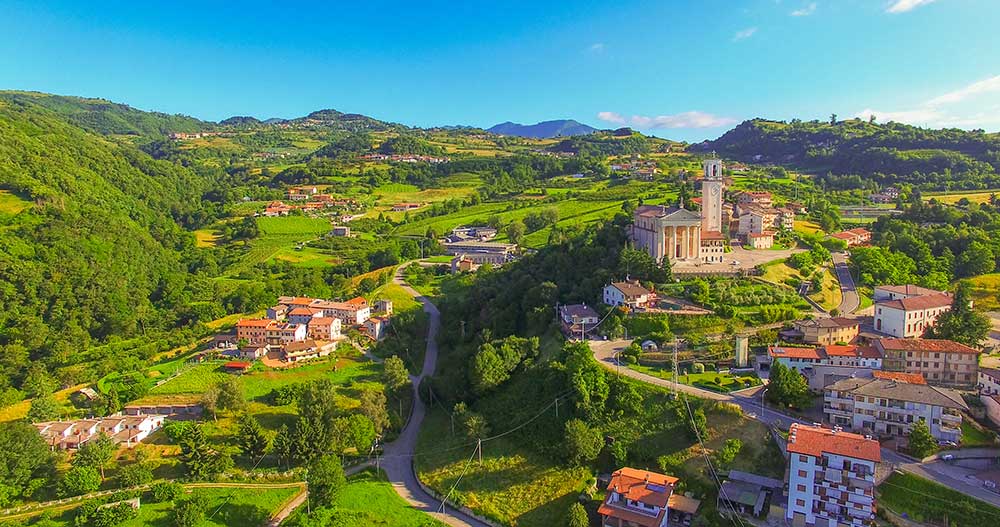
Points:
[(923, 500)]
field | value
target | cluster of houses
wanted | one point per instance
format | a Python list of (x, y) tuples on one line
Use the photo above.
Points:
[(179, 136), (888, 195), (830, 480), (636, 166), (310, 198), (756, 220), (877, 376), (124, 430), (404, 158), (300, 328)]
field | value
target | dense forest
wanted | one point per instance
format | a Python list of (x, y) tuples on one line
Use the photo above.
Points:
[(886, 153)]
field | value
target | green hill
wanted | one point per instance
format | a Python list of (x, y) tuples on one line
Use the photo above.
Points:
[(106, 117), (90, 246), (887, 153)]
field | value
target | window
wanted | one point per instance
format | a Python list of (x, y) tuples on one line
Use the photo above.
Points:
[(802, 473), (803, 459), (800, 502), (800, 488)]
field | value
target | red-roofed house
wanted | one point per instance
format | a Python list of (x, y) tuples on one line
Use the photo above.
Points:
[(941, 362), (302, 315), (831, 477), (644, 499), (254, 330), (324, 328)]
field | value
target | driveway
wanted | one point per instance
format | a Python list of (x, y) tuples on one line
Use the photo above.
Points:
[(398, 462), (850, 301)]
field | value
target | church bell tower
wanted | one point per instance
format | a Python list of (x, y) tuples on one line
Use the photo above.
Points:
[(711, 196)]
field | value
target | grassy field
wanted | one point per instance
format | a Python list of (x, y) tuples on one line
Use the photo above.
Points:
[(261, 380), (205, 238), (986, 291), (950, 198), (11, 203), (829, 296), (20, 410), (974, 437), (806, 226), (926, 501), (278, 239), (513, 485), (368, 499), (227, 507)]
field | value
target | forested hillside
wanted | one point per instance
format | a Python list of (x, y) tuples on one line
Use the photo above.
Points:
[(90, 244), (106, 117), (886, 153)]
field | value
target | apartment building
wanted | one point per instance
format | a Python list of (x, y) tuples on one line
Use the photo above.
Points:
[(888, 408), (826, 331), (941, 362), (831, 477)]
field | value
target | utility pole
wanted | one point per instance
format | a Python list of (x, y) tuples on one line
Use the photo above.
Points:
[(676, 343), (479, 447), (557, 408)]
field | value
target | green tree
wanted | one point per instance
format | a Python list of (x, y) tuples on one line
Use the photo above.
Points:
[(190, 511), (961, 323), (697, 424), (395, 374), (325, 479), (373, 407), (134, 475), (44, 408), (476, 426), (922, 443), (79, 480), (515, 232), (356, 431), (582, 443), (728, 453), (96, 453), (230, 394), (26, 461), (283, 446), (199, 457), (251, 438), (577, 516)]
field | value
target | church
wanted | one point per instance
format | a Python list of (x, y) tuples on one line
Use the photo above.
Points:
[(677, 235)]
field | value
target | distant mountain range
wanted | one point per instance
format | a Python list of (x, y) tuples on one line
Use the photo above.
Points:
[(544, 129)]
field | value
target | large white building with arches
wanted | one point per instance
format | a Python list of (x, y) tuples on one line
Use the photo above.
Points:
[(676, 235)]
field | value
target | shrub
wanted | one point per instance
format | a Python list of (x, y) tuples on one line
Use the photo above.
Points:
[(166, 491), (697, 368)]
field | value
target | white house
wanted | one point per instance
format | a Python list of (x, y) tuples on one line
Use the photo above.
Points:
[(989, 381), (629, 294), (905, 311), (831, 477)]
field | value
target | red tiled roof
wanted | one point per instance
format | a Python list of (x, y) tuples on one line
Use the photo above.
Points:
[(630, 290), (843, 235), (898, 376), (641, 485), (917, 303), (938, 345), (779, 352), (304, 311), (859, 231), (815, 441), (322, 321), (851, 350), (908, 289), (254, 322), (357, 301), (636, 518)]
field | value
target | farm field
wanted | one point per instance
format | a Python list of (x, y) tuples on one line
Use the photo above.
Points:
[(205, 238), (979, 196), (261, 380), (278, 238), (227, 506)]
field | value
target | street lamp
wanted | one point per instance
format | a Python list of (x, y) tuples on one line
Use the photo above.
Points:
[(616, 355), (762, 392)]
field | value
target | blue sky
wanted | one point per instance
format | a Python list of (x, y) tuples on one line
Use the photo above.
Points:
[(684, 70)]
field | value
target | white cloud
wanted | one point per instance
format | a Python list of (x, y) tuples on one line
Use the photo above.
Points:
[(902, 6), (962, 108), (744, 34), (805, 10), (611, 117), (597, 47), (692, 119), (984, 86)]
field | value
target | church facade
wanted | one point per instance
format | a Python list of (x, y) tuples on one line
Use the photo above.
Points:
[(676, 235)]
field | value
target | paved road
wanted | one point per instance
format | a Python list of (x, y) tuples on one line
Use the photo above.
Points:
[(850, 301), (398, 462)]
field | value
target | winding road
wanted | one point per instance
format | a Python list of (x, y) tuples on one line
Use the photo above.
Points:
[(398, 462)]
